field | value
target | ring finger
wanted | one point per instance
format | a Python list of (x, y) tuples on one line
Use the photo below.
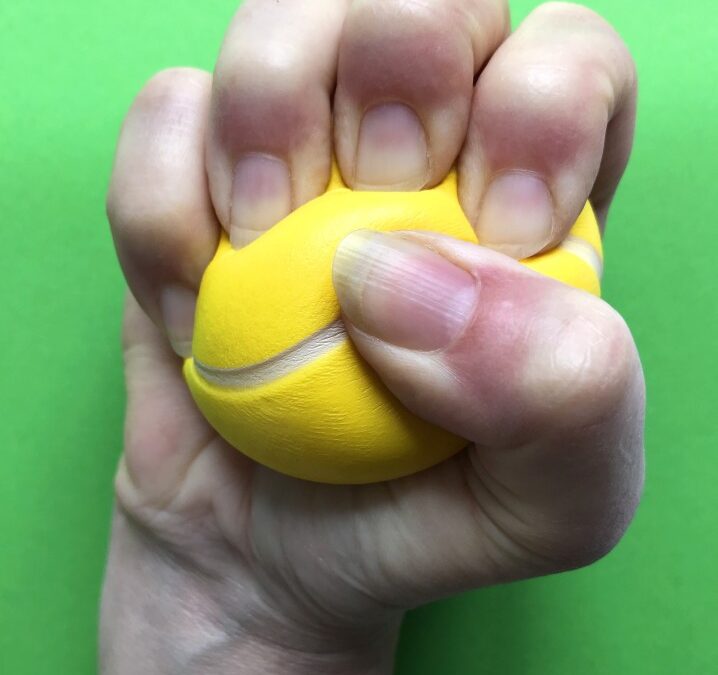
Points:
[(552, 124)]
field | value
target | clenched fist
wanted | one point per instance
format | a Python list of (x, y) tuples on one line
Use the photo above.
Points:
[(220, 565)]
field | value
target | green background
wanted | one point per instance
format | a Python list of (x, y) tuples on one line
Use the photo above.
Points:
[(68, 71)]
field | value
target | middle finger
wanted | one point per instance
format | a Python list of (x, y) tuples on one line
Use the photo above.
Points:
[(404, 86)]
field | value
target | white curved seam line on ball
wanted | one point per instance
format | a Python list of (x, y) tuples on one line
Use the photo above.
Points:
[(583, 250), (276, 367)]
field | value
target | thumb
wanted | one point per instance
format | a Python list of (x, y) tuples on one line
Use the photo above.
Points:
[(544, 379), (474, 341)]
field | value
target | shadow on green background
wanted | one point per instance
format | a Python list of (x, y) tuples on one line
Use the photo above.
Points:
[(69, 72)]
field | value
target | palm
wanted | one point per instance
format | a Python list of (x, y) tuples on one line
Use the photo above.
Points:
[(353, 549)]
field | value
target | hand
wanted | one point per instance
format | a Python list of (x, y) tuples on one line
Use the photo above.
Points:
[(220, 565)]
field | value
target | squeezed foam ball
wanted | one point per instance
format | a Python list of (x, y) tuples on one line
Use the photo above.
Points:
[(272, 369)]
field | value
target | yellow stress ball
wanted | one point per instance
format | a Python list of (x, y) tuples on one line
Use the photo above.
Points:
[(274, 372)]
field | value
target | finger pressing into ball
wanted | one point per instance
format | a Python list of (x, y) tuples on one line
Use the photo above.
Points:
[(509, 345), (269, 143), (158, 204), (404, 86), (552, 124)]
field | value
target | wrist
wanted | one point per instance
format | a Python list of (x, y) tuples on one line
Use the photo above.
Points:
[(250, 655), (160, 616)]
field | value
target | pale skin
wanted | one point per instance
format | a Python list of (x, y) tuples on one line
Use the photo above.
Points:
[(219, 565)]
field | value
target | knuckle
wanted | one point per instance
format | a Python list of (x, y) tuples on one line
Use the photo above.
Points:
[(612, 355), (448, 38), (579, 366), (123, 215), (589, 538), (432, 16), (149, 193), (549, 105), (577, 19), (171, 79), (170, 85), (160, 237), (271, 72), (156, 232), (135, 217), (543, 82), (419, 12), (551, 86), (167, 113), (591, 364), (596, 39), (271, 96), (133, 211), (591, 544), (491, 21), (569, 11), (541, 111), (570, 541)]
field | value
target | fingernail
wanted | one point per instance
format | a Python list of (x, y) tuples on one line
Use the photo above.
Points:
[(177, 305), (392, 152), (261, 197), (516, 216), (402, 292)]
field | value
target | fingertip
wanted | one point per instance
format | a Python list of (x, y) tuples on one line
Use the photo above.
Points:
[(261, 197), (554, 102), (392, 151), (177, 308), (401, 292), (269, 140), (516, 215)]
